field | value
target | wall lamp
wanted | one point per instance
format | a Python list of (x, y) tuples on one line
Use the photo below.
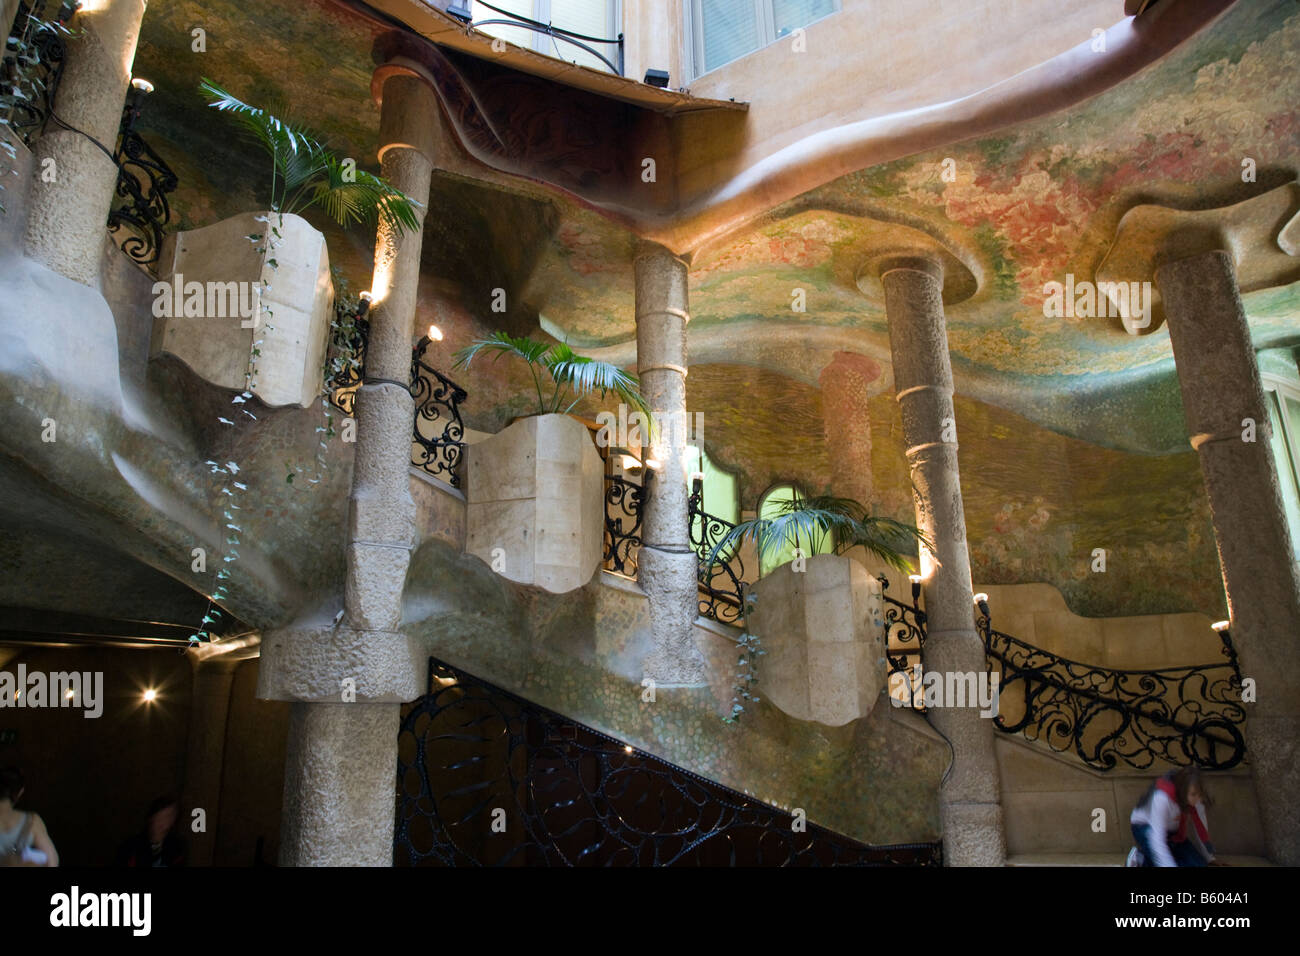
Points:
[(363, 304), (982, 602), (657, 78), (916, 587)]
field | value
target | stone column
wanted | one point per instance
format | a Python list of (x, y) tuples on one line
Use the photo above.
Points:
[(846, 423), (970, 810), (213, 668), (342, 748), (666, 565), (8, 11), (1221, 390), (68, 215)]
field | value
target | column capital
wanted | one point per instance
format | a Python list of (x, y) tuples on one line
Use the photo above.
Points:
[(1261, 235), (911, 250)]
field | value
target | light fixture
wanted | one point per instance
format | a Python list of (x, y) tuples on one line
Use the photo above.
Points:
[(916, 586), (657, 78), (654, 464), (460, 12), (363, 304), (1220, 626), (141, 84), (435, 334), (982, 602), (629, 463), (150, 696), (627, 750)]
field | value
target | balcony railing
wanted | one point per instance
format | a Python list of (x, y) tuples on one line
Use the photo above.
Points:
[(31, 67), (721, 582), (613, 47), (438, 437), (624, 503)]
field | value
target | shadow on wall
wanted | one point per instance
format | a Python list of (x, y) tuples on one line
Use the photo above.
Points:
[(92, 779)]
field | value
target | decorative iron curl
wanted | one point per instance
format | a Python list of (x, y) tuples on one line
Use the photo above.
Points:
[(624, 504), (143, 181), (438, 432), (1179, 715), (576, 797), (721, 584), (904, 624)]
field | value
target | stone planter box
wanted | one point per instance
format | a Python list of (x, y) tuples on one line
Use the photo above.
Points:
[(823, 630), (535, 502), (212, 294)]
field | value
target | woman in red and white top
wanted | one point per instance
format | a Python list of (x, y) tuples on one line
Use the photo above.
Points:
[(1169, 823)]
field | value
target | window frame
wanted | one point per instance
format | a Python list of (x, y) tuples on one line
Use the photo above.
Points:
[(765, 16), (541, 42), (1282, 388)]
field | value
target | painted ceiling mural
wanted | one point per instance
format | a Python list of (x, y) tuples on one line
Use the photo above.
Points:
[(1071, 430)]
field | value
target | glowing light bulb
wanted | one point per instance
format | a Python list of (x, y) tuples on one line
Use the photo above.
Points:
[(435, 334), (150, 695)]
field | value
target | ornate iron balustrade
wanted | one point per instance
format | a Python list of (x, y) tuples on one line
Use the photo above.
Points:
[(438, 432), (573, 796), (143, 181), (1181, 715), (624, 503), (722, 583), (579, 40), (350, 336), (32, 66), (904, 624)]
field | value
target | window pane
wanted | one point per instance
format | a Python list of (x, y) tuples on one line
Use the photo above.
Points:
[(520, 36), (590, 18), (1284, 459), (792, 14), (730, 30)]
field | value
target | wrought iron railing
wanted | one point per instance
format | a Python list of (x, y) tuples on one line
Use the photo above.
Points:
[(438, 435), (579, 40), (721, 581), (31, 67), (485, 778), (1178, 715), (141, 211), (349, 337), (624, 503), (904, 638)]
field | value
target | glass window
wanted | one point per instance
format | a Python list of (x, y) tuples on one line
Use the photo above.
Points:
[(1284, 415), (772, 505), (726, 30), (592, 18)]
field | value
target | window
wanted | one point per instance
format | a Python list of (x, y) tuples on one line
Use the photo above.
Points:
[(1283, 400), (770, 506), (726, 30), (593, 18)]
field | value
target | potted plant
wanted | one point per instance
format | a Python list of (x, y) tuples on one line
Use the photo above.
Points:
[(247, 302), (819, 614), (535, 490)]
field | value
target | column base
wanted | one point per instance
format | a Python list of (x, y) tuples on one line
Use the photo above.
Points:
[(340, 785), (973, 834)]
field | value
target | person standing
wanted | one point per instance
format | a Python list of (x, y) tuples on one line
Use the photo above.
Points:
[(24, 840)]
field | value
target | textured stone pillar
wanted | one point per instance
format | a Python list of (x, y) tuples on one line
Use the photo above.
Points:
[(342, 756), (666, 565), (846, 423), (1221, 389), (338, 807), (68, 217), (969, 805), (8, 11)]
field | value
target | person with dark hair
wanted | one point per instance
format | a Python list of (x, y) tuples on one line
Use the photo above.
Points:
[(23, 837), (1169, 823), (157, 845)]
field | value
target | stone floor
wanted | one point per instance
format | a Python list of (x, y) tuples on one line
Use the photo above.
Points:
[(1108, 859)]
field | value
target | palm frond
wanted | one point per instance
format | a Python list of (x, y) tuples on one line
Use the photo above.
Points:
[(503, 343), (586, 375)]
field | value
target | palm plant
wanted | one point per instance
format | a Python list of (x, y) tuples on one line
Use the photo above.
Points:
[(811, 523), (305, 173), (572, 375)]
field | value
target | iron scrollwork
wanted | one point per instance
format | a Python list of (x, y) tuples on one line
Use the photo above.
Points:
[(143, 181), (438, 432), (624, 504), (576, 797), (31, 68), (904, 625), (1179, 715), (721, 583), (349, 338)]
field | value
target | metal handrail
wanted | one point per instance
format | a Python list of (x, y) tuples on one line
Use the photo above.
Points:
[(549, 29)]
